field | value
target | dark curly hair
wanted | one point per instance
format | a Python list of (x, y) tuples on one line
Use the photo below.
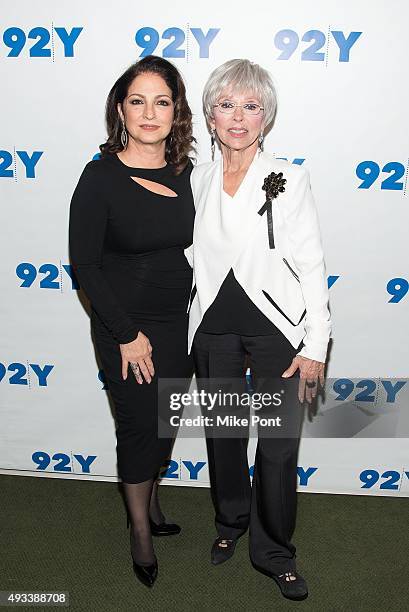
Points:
[(180, 141)]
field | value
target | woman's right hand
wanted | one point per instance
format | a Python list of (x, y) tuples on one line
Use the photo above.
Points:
[(138, 354)]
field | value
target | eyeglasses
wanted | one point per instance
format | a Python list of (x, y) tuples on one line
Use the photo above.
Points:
[(227, 107)]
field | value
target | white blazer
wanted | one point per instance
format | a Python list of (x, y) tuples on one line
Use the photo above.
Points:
[(288, 282)]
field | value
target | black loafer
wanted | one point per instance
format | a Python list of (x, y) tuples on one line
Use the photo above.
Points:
[(291, 589), (222, 550), (164, 529)]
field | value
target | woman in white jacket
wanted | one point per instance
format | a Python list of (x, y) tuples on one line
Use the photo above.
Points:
[(260, 295)]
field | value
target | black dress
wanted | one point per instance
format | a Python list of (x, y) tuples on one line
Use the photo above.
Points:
[(126, 246)]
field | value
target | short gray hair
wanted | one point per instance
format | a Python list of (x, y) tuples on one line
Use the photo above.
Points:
[(239, 75)]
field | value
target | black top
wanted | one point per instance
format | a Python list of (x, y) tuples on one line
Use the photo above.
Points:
[(233, 312), (126, 244)]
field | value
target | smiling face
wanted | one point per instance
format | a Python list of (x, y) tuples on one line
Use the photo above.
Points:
[(148, 109), (237, 130)]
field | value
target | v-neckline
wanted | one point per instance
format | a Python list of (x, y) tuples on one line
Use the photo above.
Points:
[(244, 179)]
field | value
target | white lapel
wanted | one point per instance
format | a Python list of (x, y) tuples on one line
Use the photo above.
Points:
[(221, 231), (224, 231)]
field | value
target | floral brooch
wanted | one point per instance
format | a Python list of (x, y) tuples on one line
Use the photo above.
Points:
[(273, 185)]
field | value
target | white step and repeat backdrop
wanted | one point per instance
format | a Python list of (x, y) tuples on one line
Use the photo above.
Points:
[(341, 74)]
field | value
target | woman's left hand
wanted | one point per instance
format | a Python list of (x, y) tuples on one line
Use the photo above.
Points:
[(311, 372)]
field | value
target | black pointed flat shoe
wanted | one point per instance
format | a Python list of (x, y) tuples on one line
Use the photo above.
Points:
[(296, 590), (164, 529), (222, 550), (291, 589), (147, 574)]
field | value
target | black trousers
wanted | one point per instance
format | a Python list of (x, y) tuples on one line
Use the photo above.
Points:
[(268, 507)]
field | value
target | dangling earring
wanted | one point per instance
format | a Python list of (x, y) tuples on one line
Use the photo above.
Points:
[(261, 141), (124, 136), (212, 143)]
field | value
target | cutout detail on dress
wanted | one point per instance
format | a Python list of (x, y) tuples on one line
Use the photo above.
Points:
[(155, 187)]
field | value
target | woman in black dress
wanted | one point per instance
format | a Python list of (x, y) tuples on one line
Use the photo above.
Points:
[(131, 218)]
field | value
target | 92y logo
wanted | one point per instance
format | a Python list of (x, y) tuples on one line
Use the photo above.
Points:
[(41, 42), (389, 479), (26, 374), (181, 44), (17, 163), (318, 49), (365, 390), (50, 276), (63, 462), (389, 175)]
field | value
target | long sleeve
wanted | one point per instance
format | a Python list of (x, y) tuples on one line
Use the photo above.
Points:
[(190, 250), (307, 253), (88, 223)]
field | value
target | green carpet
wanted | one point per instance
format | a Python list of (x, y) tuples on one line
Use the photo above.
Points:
[(71, 535)]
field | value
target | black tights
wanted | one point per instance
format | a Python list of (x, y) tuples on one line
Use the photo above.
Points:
[(143, 504)]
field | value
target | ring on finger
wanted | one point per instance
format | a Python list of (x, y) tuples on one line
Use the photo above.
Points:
[(135, 368)]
